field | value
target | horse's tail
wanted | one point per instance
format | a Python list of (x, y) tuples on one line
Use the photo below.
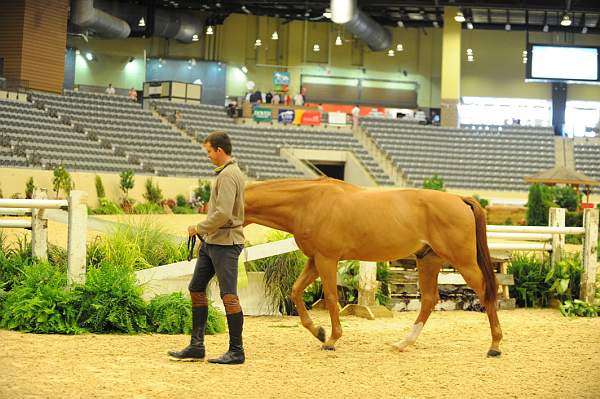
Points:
[(484, 259)]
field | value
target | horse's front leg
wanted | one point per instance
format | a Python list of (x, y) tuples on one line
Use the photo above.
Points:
[(327, 269), (308, 275)]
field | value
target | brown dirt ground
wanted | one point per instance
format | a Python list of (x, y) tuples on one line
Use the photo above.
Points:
[(545, 356)]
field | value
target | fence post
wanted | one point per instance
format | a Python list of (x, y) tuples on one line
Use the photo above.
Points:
[(367, 283), (590, 252), (556, 218), (39, 228), (77, 237)]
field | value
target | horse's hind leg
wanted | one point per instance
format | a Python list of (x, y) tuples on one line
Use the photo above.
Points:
[(308, 275), (429, 267), (474, 278)]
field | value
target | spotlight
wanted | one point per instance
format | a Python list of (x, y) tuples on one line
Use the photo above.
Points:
[(546, 28), (391, 53), (77, 52), (507, 27), (399, 47), (338, 41), (470, 58), (275, 36), (244, 69), (89, 56), (436, 24), (209, 30), (316, 48), (469, 51), (142, 22), (566, 21), (584, 30), (459, 17), (195, 37), (258, 43), (400, 24), (470, 25)]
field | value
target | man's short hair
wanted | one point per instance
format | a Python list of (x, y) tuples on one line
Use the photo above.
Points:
[(219, 139)]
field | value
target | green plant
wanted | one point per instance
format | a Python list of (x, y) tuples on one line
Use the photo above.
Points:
[(107, 207), (280, 273), (580, 308), (172, 314), (40, 303), (181, 201), (127, 181), (153, 192), (62, 180), (13, 260), (349, 273), (539, 200), (111, 301), (202, 192), (99, 187), (566, 197), (531, 287), (185, 210), (574, 219), (29, 187), (313, 293), (564, 278), (148, 208), (508, 222), (435, 182), (482, 201)]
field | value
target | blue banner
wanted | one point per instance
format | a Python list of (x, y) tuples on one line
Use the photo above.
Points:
[(286, 115), (281, 78)]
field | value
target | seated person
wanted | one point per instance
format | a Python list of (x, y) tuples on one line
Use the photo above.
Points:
[(132, 94)]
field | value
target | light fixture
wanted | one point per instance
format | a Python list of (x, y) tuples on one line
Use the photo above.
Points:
[(524, 53), (316, 48), (399, 47), (391, 53), (546, 28), (566, 21), (584, 30), (507, 27), (338, 41), (142, 22), (77, 52), (400, 23), (470, 58), (275, 36), (470, 25), (195, 37), (192, 61), (189, 67), (130, 60), (436, 24), (209, 30), (89, 56), (327, 14), (469, 51), (524, 60), (258, 43), (459, 17), (244, 69)]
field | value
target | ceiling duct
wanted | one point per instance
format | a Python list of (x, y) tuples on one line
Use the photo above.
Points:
[(177, 25), (84, 15), (358, 23)]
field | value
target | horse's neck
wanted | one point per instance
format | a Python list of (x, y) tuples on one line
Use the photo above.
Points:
[(277, 216)]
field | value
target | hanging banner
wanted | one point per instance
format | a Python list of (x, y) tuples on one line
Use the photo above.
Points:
[(262, 114), (298, 116), (286, 116), (311, 118), (281, 81)]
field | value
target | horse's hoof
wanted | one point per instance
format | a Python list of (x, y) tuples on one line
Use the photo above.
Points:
[(321, 334), (493, 353), (328, 348)]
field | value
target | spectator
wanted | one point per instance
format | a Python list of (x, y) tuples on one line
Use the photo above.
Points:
[(269, 97), (232, 110), (288, 100), (110, 89), (275, 99), (299, 100), (355, 115), (132, 94)]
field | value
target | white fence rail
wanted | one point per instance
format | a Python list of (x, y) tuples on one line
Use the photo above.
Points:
[(38, 224)]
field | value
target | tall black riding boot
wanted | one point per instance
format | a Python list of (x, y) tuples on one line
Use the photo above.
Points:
[(235, 354), (195, 350)]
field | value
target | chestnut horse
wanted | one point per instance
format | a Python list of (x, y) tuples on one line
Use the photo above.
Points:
[(332, 220)]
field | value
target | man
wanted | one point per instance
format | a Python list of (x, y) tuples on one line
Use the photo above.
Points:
[(224, 241), (355, 116), (132, 94), (110, 89)]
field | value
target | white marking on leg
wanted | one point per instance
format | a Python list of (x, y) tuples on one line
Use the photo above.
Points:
[(410, 338)]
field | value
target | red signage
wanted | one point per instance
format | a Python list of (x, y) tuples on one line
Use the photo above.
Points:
[(311, 118)]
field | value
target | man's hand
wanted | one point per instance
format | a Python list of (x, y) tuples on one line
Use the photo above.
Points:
[(192, 230)]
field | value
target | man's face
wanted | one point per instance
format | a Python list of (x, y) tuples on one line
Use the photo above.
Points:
[(214, 155)]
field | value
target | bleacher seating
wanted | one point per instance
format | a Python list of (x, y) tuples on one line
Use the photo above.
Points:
[(47, 142), (126, 127), (495, 159), (587, 159), (257, 146)]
